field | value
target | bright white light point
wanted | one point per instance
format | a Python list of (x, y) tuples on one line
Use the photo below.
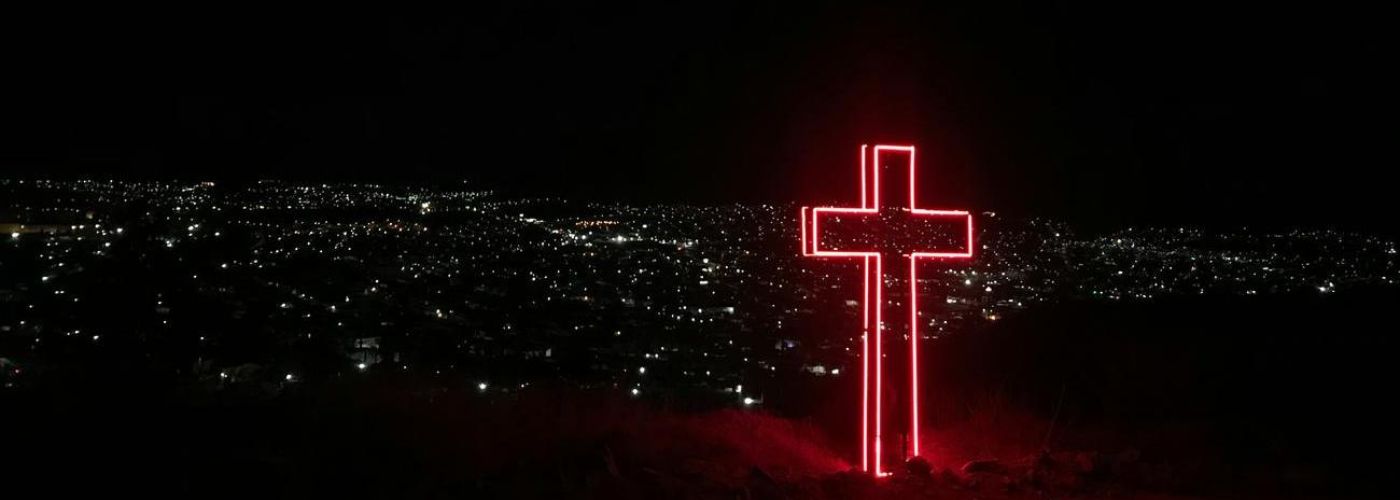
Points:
[(635, 391), (642, 370), (835, 371), (426, 204), (967, 282), (739, 388), (14, 235), (289, 377), (748, 401), (360, 366), (481, 386)]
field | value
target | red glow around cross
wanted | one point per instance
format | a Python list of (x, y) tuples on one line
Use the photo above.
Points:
[(870, 209)]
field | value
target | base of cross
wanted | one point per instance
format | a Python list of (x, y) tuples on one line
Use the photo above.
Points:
[(892, 392)]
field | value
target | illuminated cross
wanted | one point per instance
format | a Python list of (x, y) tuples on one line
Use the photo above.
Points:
[(886, 231)]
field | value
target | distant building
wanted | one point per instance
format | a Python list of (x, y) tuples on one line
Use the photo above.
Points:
[(16, 228)]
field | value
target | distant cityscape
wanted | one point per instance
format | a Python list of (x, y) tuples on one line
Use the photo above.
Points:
[(271, 285)]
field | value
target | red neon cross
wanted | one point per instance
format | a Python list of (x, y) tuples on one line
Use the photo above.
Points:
[(887, 228)]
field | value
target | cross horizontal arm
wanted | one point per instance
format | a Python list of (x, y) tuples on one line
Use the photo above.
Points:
[(862, 232)]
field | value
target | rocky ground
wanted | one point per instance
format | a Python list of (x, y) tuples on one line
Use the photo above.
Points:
[(1049, 475)]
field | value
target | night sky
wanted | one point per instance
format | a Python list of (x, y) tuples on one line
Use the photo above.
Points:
[(1102, 114)]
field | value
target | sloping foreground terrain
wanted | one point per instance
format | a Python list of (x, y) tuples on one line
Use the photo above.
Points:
[(1218, 398)]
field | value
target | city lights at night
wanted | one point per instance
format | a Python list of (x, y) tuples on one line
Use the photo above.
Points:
[(605, 250)]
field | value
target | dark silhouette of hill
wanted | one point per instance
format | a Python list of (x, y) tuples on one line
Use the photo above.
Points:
[(1216, 397), (1251, 397)]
